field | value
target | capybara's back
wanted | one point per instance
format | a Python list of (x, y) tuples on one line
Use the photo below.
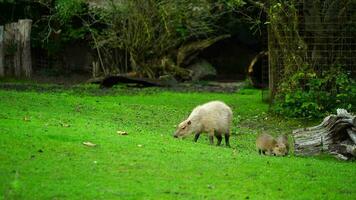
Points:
[(214, 115)]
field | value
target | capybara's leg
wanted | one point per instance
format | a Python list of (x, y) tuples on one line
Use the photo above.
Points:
[(211, 137), (219, 137), (259, 151), (196, 137), (227, 141), (269, 153)]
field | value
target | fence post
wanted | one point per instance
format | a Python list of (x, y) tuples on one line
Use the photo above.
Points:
[(17, 53), (2, 56), (24, 27)]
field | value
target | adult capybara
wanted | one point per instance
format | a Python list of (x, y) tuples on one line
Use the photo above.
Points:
[(214, 118)]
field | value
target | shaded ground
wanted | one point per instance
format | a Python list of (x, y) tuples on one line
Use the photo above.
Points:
[(218, 87)]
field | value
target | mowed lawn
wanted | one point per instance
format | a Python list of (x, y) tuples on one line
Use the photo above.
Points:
[(42, 155)]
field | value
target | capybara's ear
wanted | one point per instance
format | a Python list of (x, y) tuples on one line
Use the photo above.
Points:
[(189, 122)]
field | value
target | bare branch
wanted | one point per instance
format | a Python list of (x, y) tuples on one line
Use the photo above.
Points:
[(258, 4)]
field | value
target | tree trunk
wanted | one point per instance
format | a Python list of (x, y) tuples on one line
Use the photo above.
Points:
[(336, 135), (17, 54), (10, 48), (2, 55), (24, 27)]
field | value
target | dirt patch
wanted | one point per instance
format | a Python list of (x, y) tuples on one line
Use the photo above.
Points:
[(69, 80), (219, 87), (75, 86)]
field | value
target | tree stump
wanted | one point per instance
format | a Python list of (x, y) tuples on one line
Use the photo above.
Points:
[(336, 135)]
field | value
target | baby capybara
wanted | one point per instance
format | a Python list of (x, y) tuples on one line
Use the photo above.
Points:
[(282, 147), (267, 145)]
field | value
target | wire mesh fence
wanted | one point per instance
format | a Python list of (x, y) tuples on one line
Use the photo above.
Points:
[(320, 34)]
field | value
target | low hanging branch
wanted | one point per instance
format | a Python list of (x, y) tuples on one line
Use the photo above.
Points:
[(336, 135)]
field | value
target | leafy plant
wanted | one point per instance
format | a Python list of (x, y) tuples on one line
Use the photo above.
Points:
[(306, 94), (67, 9), (146, 34)]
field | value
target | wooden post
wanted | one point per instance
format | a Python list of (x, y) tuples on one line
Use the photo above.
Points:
[(96, 69), (17, 55), (9, 44), (2, 56), (24, 27)]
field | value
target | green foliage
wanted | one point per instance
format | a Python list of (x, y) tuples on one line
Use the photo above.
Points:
[(67, 9), (42, 155), (233, 3), (151, 31), (305, 94), (62, 26), (142, 35), (7, 1), (284, 36), (68, 19), (307, 79)]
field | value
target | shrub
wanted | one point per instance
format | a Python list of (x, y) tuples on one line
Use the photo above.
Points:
[(149, 32), (307, 94)]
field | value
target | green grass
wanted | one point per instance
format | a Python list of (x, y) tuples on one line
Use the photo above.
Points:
[(42, 155)]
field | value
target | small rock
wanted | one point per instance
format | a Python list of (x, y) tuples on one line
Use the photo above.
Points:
[(168, 80), (202, 69)]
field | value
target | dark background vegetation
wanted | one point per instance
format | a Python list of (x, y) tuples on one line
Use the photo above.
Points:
[(154, 38)]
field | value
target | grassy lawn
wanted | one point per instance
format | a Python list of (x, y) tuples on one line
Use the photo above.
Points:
[(42, 155)]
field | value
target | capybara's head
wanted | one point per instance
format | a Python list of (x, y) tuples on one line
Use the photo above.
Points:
[(280, 150), (184, 129)]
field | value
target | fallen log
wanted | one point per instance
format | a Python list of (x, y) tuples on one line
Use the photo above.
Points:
[(336, 135), (113, 79)]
